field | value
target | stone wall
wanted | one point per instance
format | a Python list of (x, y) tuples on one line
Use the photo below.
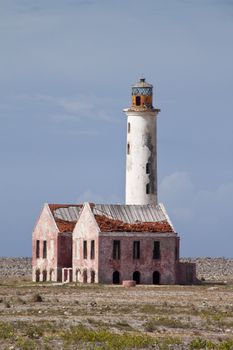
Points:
[(15, 267), (215, 269), (212, 269)]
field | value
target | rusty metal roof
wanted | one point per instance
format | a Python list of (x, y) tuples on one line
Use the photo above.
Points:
[(129, 214), (69, 213)]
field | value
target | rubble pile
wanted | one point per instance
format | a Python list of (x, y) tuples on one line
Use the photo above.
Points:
[(108, 225), (65, 226)]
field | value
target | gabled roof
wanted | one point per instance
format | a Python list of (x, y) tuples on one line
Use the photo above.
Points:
[(65, 215), (115, 217)]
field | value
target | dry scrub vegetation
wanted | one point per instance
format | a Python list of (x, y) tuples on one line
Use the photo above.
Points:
[(69, 316)]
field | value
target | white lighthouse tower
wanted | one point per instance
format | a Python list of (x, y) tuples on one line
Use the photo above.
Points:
[(141, 157)]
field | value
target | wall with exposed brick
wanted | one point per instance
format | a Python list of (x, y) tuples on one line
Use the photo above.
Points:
[(65, 250), (146, 265), (186, 273)]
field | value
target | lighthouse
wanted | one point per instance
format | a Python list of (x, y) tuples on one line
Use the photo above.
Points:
[(141, 149)]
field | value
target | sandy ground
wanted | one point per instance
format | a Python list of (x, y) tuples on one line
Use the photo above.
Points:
[(176, 317)]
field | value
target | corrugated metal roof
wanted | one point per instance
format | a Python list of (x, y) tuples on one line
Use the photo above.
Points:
[(68, 214), (131, 213)]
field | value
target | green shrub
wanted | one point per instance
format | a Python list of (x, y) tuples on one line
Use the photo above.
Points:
[(106, 339), (6, 330)]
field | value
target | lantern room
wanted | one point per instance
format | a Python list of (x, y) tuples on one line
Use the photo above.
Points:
[(142, 95)]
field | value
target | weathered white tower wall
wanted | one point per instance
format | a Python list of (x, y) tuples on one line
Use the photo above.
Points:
[(141, 152)]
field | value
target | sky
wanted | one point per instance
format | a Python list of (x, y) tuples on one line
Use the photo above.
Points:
[(66, 70)]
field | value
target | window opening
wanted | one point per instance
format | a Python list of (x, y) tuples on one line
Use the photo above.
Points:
[(37, 248), (93, 249), (148, 188), (156, 277), (136, 250), (156, 250), (148, 168), (136, 277), (116, 254), (128, 148), (138, 100), (44, 249), (84, 249), (116, 277), (128, 128)]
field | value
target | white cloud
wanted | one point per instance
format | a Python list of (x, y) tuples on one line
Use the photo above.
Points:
[(93, 197), (74, 108)]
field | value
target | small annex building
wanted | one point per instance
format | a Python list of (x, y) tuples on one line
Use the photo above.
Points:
[(94, 243)]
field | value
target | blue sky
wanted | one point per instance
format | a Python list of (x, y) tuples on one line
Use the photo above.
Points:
[(66, 69)]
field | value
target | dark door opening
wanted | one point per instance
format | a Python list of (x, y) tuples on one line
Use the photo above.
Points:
[(156, 277), (136, 277), (84, 276), (92, 276), (37, 275), (116, 277)]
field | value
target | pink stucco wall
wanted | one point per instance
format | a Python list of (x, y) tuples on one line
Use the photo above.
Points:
[(85, 229), (59, 249)]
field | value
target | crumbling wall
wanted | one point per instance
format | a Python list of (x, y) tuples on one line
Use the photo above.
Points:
[(86, 229), (186, 273), (145, 265), (45, 268)]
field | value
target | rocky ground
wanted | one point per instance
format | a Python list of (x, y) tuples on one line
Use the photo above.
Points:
[(209, 269), (49, 316)]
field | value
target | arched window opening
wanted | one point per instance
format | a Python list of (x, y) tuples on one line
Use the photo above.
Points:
[(92, 276), (116, 277), (136, 277), (156, 277), (148, 188), (44, 276), (84, 276), (37, 275), (128, 128), (128, 148), (138, 100)]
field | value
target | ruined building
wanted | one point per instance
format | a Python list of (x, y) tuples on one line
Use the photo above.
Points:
[(108, 243)]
